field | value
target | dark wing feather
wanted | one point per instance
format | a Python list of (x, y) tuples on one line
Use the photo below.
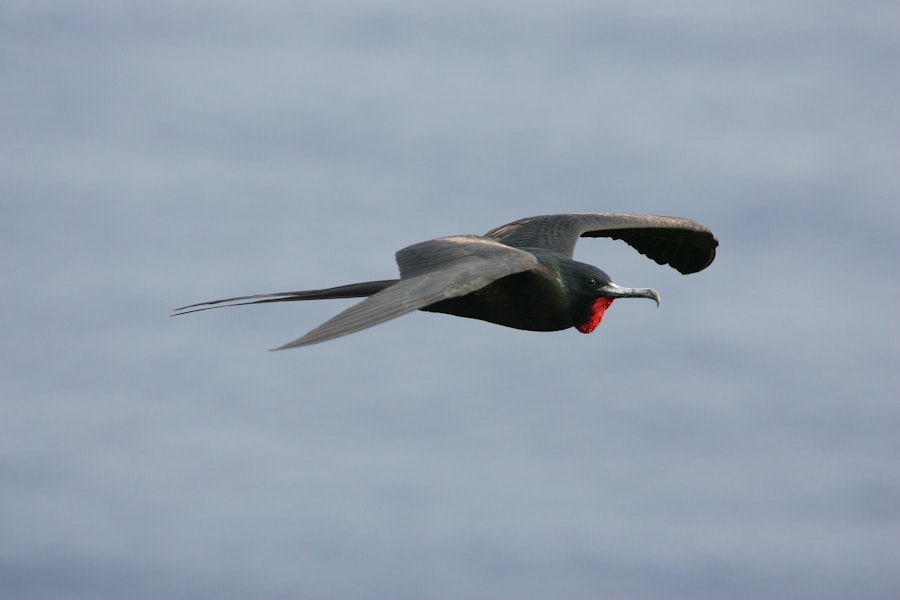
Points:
[(430, 272), (683, 244)]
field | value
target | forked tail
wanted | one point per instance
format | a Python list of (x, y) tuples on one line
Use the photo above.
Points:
[(353, 290)]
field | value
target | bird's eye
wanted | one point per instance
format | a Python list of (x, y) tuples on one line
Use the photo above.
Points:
[(591, 282)]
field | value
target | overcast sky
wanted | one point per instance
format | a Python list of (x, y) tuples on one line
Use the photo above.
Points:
[(739, 441)]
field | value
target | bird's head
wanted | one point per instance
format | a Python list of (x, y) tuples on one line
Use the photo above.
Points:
[(592, 292)]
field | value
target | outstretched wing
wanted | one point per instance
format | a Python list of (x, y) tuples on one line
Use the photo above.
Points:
[(430, 272), (682, 244)]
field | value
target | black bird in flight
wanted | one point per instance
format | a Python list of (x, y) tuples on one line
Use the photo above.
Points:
[(520, 275)]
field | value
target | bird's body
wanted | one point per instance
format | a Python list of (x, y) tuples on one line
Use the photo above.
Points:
[(529, 300), (549, 297), (519, 275)]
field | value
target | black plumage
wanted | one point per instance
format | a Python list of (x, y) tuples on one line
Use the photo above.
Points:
[(519, 275)]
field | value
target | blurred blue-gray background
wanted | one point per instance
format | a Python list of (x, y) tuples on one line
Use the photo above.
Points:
[(740, 441)]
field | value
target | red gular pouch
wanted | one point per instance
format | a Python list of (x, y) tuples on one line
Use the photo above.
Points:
[(597, 312)]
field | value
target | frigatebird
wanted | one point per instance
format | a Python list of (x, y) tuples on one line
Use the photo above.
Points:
[(519, 275)]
